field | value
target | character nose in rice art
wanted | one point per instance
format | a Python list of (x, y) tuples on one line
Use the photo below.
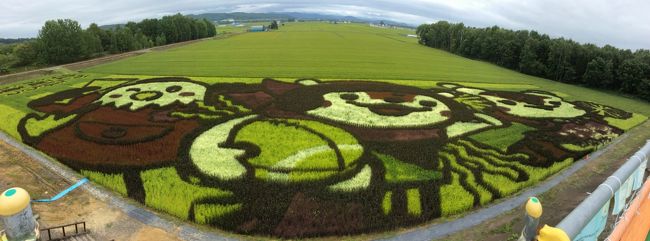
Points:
[(128, 125)]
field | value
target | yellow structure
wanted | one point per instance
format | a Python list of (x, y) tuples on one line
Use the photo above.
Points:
[(548, 233), (534, 208), (13, 201), (16, 216)]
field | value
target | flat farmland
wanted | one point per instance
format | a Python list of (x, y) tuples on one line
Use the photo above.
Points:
[(339, 51)]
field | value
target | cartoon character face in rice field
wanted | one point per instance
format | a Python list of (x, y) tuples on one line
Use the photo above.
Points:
[(308, 157), (306, 142), (124, 126)]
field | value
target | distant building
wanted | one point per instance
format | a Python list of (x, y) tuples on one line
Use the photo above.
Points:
[(258, 28), (411, 36), (227, 21)]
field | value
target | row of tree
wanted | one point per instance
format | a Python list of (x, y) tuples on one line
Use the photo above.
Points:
[(64, 41), (537, 54)]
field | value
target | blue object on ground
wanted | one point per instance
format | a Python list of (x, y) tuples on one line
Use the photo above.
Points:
[(61, 194)]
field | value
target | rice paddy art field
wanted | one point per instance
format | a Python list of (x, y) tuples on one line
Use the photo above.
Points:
[(305, 157)]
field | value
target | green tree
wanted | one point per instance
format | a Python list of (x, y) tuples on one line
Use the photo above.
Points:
[(559, 65), (599, 73), (632, 72), (274, 25), (212, 30), (26, 53), (61, 41), (7, 61), (160, 40), (644, 89), (103, 35), (529, 61), (92, 44)]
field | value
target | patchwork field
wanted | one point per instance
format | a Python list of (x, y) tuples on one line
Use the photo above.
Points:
[(304, 157)]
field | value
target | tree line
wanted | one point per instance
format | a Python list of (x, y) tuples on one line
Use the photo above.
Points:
[(558, 59), (65, 41)]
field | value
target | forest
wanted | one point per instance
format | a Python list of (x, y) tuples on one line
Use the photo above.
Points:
[(65, 41), (536, 54)]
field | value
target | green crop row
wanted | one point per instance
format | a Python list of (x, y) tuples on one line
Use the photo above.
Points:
[(114, 182), (166, 191)]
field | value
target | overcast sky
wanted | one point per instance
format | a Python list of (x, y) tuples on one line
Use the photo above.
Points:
[(622, 23)]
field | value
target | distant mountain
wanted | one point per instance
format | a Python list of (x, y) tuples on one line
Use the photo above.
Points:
[(111, 26), (238, 16), (14, 40), (286, 16)]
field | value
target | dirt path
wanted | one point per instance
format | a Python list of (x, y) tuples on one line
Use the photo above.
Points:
[(560, 200), (104, 221)]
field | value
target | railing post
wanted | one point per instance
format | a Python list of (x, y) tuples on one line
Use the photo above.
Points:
[(63, 228), (533, 212), (76, 228)]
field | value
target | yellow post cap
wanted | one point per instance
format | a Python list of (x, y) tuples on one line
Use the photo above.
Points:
[(548, 233), (13, 200), (534, 207)]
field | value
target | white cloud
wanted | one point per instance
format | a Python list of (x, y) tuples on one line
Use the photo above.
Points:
[(623, 23)]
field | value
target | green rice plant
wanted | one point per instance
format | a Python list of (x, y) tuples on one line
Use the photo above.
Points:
[(36, 127), (483, 164), (466, 176), (278, 141), (492, 152), (114, 182), (206, 213), (413, 204), (454, 199), (387, 203), (475, 102), (213, 160), (502, 138), (507, 186), (358, 182), (461, 128), (296, 151), (626, 124), (400, 172), (357, 113), (11, 117), (577, 148), (153, 94), (166, 191)]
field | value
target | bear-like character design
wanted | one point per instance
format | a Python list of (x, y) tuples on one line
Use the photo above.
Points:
[(126, 126)]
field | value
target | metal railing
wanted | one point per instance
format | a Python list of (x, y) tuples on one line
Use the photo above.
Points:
[(77, 227), (573, 223)]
